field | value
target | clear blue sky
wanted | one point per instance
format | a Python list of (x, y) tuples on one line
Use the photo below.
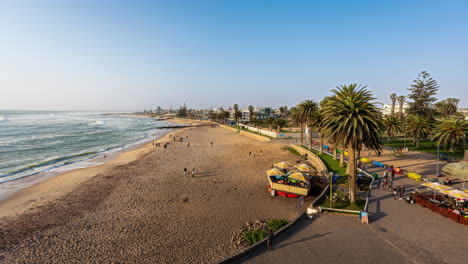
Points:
[(130, 55)]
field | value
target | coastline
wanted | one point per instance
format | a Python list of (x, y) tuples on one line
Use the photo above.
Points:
[(59, 184)]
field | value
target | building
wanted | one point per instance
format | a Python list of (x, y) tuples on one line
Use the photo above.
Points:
[(386, 109)]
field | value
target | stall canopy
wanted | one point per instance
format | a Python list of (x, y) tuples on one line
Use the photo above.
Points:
[(282, 165), (436, 186), (303, 167), (456, 194), (275, 172), (299, 176)]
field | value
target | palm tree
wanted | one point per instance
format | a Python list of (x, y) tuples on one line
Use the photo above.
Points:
[(279, 123), (251, 112), (351, 115), (418, 127), (448, 106), (392, 126), (401, 101), (393, 98), (269, 121), (451, 132), (237, 116), (236, 107), (297, 119), (305, 111), (316, 123)]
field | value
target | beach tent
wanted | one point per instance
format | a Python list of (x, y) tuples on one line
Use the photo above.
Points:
[(456, 194), (275, 172), (282, 165), (436, 186), (299, 176), (303, 167)]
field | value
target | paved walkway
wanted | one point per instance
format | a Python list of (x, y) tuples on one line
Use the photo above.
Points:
[(398, 233)]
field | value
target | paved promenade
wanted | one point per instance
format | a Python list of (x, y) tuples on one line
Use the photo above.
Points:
[(398, 233)]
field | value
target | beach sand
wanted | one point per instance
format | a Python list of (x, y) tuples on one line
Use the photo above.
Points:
[(140, 208)]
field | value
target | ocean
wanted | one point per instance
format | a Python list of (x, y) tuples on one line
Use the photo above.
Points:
[(36, 143)]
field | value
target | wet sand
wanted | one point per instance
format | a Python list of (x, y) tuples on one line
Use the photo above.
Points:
[(143, 209)]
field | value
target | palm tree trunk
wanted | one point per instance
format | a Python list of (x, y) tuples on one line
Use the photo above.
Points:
[(302, 134), (334, 152), (352, 172), (342, 157), (321, 144)]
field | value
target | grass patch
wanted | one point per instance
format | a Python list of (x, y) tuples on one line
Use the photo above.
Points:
[(293, 151), (425, 146), (332, 165), (253, 236), (276, 224)]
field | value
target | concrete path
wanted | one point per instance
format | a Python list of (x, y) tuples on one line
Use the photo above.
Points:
[(398, 233)]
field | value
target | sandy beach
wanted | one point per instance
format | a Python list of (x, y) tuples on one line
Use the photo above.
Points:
[(140, 207)]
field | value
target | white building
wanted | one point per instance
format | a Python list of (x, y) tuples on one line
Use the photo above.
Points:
[(386, 109)]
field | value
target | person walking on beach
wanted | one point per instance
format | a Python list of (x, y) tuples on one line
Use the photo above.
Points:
[(394, 193), (185, 171), (250, 153), (188, 144), (193, 172), (211, 143), (270, 239)]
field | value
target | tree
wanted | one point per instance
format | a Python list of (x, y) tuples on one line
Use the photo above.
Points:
[(401, 101), (422, 93), (304, 113), (269, 121), (351, 115), (280, 123), (182, 111), (393, 97), (316, 123), (392, 126), (447, 107), (237, 116), (285, 111), (281, 109), (251, 112), (451, 132), (418, 127), (236, 107)]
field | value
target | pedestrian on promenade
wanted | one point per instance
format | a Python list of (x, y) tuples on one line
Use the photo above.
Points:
[(384, 184), (389, 185), (185, 171), (385, 175), (402, 192), (394, 193), (393, 174), (270, 239)]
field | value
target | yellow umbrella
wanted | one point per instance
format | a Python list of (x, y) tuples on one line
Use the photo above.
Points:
[(299, 176), (457, 194), (303, 167), (282, 165), (275, 172)]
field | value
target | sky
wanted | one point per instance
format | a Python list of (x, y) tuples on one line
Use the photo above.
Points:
[(131, 55)]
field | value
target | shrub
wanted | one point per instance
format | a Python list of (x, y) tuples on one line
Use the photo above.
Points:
[(253, 236), (276, 224), (293, 151)]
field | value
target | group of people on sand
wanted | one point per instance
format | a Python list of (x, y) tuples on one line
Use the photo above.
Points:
[(190, 173)]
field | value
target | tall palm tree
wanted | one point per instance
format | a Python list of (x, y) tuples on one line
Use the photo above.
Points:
[(451, 132), (401, 101), (393, 98), (448, 106), (237, 116), (392, 126), (351, 115), (236, 107), (297, 119), (418, 127), (316, 123), (306, 110), (251, 112)]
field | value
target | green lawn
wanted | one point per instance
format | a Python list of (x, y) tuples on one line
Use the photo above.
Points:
[(425, 146), (332, 165)]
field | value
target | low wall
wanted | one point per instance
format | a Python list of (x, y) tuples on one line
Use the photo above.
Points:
[(262, 131), (314, 159), (247, 134)]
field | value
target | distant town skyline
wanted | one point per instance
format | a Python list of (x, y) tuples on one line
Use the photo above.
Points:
[(128, 56)]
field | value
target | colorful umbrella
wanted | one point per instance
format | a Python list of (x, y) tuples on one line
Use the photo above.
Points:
[(299, 176), (282, 165), (456, 194), (275, 172), (436, 186), (303, 167)]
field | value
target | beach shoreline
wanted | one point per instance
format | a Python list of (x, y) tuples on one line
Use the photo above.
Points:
[(56, 184)]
